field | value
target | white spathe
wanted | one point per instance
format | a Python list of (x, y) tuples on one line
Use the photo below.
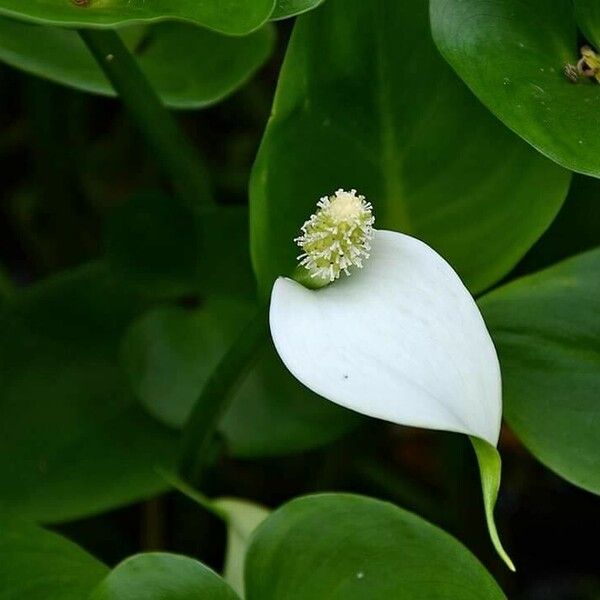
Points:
[(400, 340)]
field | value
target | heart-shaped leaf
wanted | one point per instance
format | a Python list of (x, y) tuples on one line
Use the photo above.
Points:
[(188, 66), (354, 548), (365, 101), (39, 565), (547, 330), (235, 17), (512, 55)]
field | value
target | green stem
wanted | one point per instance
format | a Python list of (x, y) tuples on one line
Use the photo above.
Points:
[(178, 156), (216, 396)]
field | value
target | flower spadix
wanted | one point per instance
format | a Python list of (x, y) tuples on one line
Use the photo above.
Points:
[(336, 238), (400, 339)]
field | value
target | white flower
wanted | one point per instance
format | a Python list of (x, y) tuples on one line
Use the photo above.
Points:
[(401, 339)]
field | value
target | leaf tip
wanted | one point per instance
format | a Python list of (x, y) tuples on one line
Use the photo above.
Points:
[(490, 469)]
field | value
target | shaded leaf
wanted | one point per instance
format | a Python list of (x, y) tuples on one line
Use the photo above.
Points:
[(587, 13), (40, 565), (74, 441), (188, 66), (546, 327)]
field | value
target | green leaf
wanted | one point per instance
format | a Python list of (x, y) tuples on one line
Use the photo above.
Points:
[(74, 441), (490, 469), (512, 55), (39, 565), (290, 8), (161, 576), (235, 17), (587, 13), (354, 548), (189, 66), (364, 101), (546, 328), (243, 518)]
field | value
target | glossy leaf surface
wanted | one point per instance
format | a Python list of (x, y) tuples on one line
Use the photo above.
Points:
[(365, 101), (512, 55)]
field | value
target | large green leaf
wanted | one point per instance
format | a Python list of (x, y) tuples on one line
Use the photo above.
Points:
[(73, 439), (161, 576), (188, 66), (512, 54), (39, 565), (290, 8), (228, 16), (354, 548), (547, 330), (364, 101)]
